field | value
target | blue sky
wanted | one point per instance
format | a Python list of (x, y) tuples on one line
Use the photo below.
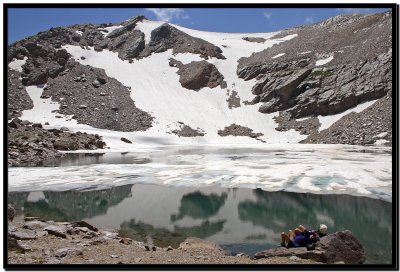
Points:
[(23, 22)]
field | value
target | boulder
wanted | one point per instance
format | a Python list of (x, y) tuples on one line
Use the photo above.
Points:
[(125, 140), (35, 225), (59, 231), (340, 246), (68, 251), (84, 224), (23, 235)]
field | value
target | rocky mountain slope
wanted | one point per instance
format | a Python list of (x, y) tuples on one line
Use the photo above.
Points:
[(162, 83)]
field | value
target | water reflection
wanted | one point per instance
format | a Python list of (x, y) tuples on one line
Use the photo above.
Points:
[(366, 218), (69, 205), (198, 205), (238, 219), (164, 237)]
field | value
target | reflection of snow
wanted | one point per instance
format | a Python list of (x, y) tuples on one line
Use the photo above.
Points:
[(36, 196)]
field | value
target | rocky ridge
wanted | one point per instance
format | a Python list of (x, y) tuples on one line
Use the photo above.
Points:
[(95, 99), (327, 68)]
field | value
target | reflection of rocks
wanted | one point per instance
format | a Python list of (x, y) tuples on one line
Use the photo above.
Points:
[(206, 229), (365, 217), (198, 205), (73, 205), (163, 237), (340, 246)]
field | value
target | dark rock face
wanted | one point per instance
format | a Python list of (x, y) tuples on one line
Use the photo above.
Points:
[(107, 105), (341, 246), (126, 140), (238, 130), (361, 69), (187, 131), (168, 37), (129, 45), (253, 39), (364, 128), (198, 74), (28, 145), (17, 97)]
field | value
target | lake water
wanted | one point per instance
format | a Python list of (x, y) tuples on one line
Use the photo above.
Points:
[(173, 193)]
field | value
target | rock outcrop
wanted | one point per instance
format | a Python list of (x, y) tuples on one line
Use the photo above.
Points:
[(187, 131), (198, 74), (340, 246), (326, 69), (168, 37), (31, 145), (238, 130), (17, 97)]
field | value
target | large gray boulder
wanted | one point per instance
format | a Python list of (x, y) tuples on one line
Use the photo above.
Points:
[(340, 246)]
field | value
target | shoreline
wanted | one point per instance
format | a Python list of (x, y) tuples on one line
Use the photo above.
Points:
[(52, 242)]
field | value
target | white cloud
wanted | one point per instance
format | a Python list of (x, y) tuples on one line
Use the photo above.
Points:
[(353, 10), (267, 14), (168, 14), (309, 20)]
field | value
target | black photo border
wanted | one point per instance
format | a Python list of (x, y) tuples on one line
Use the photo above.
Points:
[(395, 142)]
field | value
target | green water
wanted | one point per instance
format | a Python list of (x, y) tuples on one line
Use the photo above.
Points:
[(240, 220)]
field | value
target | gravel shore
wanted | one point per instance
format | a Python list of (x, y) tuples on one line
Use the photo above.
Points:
[(81, 245)]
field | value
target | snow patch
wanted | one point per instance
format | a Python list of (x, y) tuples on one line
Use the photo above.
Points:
[(109, 29), (279, 55), (306, 52), (16, 64), (147, 27), (381, 135), (327, 121), (381, 142), (79, 32), (323, 61)]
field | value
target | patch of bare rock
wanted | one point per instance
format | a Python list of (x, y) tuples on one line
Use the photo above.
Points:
[(18, 99), (95, 99), (371, 126), (198, 74), (30, 144), (233, 99), (187, 131), (238, 130)]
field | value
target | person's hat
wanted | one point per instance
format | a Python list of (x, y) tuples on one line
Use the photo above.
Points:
[(323, 228), (301, 228)]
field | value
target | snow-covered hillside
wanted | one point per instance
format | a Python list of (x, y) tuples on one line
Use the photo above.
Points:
[(156, 88)]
